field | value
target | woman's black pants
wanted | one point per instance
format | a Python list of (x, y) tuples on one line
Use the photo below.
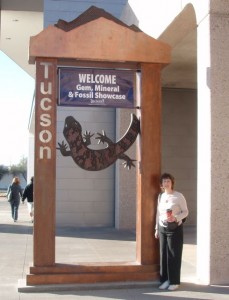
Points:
[(171, 246)]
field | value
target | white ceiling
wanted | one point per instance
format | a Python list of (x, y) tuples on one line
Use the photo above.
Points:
[(16, 29)]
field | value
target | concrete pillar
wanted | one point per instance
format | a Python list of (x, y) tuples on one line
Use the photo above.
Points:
[(213, 160), (204, 154)]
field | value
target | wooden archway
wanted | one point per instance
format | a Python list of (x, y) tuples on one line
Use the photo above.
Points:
[(117, 45)]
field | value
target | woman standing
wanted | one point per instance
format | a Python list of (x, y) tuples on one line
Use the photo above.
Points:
[(171, 210), (16, 194)]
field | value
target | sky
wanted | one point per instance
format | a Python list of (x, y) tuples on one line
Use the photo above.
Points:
[(16, 94)]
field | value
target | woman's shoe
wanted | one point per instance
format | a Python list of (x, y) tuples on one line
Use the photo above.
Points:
[(164, 285), (173, 287)]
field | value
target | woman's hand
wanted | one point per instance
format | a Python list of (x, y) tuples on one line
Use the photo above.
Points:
[(171, 219), (156, 234)]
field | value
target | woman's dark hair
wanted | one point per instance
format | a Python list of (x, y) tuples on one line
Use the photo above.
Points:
[(167, 176)]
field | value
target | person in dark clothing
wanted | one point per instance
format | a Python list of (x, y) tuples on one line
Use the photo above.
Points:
[(28, 194), (15, 191)]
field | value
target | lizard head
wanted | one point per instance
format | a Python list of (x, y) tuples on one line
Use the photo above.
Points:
[(71, 126)]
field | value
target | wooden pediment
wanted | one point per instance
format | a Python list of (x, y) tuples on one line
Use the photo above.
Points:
[(98, 36)]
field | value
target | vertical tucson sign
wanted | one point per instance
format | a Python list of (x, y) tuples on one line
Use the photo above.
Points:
[(96, 87), (45, 162), (45, 109)]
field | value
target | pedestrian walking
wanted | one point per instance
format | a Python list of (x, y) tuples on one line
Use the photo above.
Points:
[(28, 194), (14, 195)]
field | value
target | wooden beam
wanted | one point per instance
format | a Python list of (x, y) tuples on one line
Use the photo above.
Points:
[(45, 163), (150, 163)]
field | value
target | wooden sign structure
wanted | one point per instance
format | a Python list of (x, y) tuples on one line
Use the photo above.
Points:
[(95, 39)]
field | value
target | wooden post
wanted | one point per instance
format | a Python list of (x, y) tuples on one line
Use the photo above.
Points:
[(45, 163), (150, 165)]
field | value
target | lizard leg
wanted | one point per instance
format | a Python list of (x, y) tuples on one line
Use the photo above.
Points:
[(102, 138), (63, 149), (128, 162), (87, 137)]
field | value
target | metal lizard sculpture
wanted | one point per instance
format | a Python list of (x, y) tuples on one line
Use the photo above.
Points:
[(96, 160)]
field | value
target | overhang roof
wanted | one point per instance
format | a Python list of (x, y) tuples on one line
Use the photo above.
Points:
[(98, 36)]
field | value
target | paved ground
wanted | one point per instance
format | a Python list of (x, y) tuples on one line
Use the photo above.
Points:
[(89, 245)]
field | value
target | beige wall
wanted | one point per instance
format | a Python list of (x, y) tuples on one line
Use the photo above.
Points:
[(179, 143), (84, 198), (125, 187), (179, 155)]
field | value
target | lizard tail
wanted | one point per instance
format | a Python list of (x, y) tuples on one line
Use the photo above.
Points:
[(130, 136)]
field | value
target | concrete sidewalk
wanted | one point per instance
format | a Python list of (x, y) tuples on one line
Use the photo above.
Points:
[(88, 245)]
